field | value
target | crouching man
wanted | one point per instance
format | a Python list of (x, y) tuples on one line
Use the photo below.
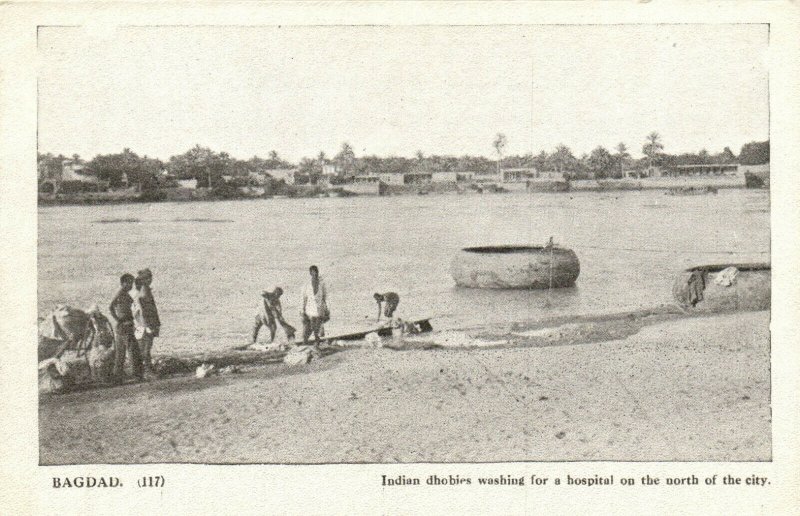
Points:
[(391, 299)]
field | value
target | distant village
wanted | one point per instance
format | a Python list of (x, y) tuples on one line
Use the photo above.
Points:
[(201, 173)]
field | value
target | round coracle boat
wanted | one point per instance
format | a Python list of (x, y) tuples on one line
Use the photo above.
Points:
[(726, 287), (515, 267)]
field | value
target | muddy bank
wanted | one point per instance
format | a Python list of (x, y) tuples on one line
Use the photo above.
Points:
[(554, 331), (683, 389)]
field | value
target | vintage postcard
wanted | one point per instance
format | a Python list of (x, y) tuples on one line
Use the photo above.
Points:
[(381, 257)]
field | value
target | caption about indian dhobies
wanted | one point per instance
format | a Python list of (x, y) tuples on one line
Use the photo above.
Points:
[(723, 479)]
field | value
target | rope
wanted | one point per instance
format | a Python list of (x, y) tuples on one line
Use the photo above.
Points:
[(666, 251)]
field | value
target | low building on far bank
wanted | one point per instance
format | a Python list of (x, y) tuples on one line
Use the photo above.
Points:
[(654, 171), (755, 169), (417, 178), (706, 169), (287, 175), (72, 170), (361, 185), (486, 177), (444, 177), (517, 175), (465, 176), (368, 179), (71, 176), (548, 175), (391, 178), (755, 176)]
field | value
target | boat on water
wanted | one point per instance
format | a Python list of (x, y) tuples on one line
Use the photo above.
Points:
[(692, 190), (547, 186), (724, 287), (756, 180), (515, 267)]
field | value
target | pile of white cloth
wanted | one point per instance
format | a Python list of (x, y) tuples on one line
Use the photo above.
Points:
[(726, 277)]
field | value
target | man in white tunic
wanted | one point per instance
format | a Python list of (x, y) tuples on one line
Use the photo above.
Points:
[(315, 307)]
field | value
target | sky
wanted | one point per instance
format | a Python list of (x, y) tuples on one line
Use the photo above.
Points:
[(396, 90)]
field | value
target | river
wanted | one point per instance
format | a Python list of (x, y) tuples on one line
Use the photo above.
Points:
[(212, 259)]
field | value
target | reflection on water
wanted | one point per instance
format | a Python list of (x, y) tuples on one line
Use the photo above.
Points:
[(209, 275)]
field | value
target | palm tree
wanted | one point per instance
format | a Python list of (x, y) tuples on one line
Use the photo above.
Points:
[(652, 147), (499, 144), (622, 153)]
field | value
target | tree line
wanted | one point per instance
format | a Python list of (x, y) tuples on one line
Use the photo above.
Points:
[(209, 167)]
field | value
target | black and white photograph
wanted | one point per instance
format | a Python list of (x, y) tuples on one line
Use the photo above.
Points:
[(403, 244)]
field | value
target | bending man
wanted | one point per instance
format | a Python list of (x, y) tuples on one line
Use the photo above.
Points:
[(271, 311), (391, 299)]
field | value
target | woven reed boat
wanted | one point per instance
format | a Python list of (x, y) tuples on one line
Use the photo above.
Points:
[(515, 267), (751, 289)]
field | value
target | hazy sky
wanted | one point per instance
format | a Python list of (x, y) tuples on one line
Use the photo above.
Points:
[(394, 90)]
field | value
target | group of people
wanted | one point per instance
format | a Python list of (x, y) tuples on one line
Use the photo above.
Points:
[(314, 312), (136, 324), (90, 333), (136, 321)]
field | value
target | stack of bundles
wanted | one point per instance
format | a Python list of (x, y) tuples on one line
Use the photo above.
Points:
[(298, 355), (48, 347), (60, 374), (101, 363), (167, 366)]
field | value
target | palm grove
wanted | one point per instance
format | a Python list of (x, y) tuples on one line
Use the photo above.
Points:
[(219, 170)]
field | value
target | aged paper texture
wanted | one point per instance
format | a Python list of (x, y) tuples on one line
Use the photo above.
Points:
[(393, 258)]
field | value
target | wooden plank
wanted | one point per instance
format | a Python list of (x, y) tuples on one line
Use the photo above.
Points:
[(422, 324)]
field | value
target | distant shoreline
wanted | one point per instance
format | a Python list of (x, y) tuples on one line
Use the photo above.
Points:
[(102, 198)]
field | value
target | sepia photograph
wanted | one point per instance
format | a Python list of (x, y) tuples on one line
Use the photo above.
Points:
[(384, 244)]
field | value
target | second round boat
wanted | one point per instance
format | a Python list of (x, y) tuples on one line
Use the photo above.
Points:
[(515, 267)]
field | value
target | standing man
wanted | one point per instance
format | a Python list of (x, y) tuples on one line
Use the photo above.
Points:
[(270, 311), (121, 311), (315, 307), (391, 299), (150, 324)]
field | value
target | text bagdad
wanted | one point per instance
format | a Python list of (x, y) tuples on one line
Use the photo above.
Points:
[(88, 481)]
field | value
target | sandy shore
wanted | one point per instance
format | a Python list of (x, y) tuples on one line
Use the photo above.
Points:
[(676, 389)]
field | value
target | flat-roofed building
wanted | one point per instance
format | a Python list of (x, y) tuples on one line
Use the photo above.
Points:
[(417, 178), (716, 169), (287, 175), (444, 177), (74, 171), (517, 175), (391, 178), (368, 179)]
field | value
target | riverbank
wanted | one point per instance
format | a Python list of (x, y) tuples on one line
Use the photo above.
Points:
[(348, 190), (676, 388)]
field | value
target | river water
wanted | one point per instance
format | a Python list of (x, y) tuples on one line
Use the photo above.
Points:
[(212, 259)]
